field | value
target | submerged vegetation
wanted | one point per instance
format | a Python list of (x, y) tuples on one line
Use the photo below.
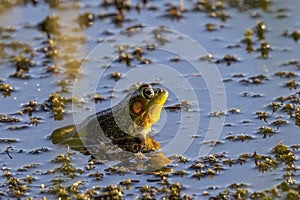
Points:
[(64, 183)]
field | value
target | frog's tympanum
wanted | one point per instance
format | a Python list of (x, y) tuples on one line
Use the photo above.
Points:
[(126, 125)]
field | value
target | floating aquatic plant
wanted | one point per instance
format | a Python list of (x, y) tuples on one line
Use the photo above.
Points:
[(261, 28)]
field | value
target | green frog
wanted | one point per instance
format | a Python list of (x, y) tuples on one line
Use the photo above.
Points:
[(126, 124)]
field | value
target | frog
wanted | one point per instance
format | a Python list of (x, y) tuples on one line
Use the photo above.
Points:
[(126, 125)]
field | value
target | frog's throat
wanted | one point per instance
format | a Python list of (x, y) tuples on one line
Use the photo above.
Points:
[(143, 123)]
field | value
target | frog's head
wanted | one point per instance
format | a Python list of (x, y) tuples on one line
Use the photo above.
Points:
[(144, 106), (140, 109)]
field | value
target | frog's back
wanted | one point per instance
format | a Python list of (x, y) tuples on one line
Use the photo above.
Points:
[(61, 135)]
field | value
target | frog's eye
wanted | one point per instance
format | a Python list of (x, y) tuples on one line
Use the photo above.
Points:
[(137, 107), (147, 93)]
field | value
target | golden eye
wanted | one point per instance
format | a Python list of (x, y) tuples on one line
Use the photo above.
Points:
[(137, 107), (148, 93)]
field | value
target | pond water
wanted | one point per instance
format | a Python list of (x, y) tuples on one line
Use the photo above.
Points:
[(230, 125)]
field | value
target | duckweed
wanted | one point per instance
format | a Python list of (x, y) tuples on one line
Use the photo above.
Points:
[(290, 63), (22, 63), (8, 140), (30, 107), (50, 25), (239, 137), (279, 122), (248, 40), (180, 173), (51, 51), (6, 89), (264, 49), (297, 117), (289, 109), (210, 27), (283, 74), (292, 194), (115, 169), (111, 192), (175, 59), (234, 191), (218, 114), (291, 84), (39, 150), (257, 79), (182, 159), (266, 130), (126, 58), (66, 168), (282, 155), (64, 86), (276, 192), (21, 74), (175, 13), (295, 35), (116, 75), (235, 110), (126, 182), (267, 163), (247, 94), (174, 191), (261, 28), (59, 191), (262, 115), (223, 15), (6, 119), (16, 187), (228, 59), (183, 105), (57, 103), (53, 69), (72, 68), (34, 121), (138, 53), (275, 106), (98, 98), (86, 19)]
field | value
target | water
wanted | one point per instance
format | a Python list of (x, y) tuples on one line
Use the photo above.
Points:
[(71, 45)]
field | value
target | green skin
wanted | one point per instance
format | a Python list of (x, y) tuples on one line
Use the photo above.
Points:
[(126, 124)]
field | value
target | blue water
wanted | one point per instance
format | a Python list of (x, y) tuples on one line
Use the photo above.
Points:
[(192, 26)]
